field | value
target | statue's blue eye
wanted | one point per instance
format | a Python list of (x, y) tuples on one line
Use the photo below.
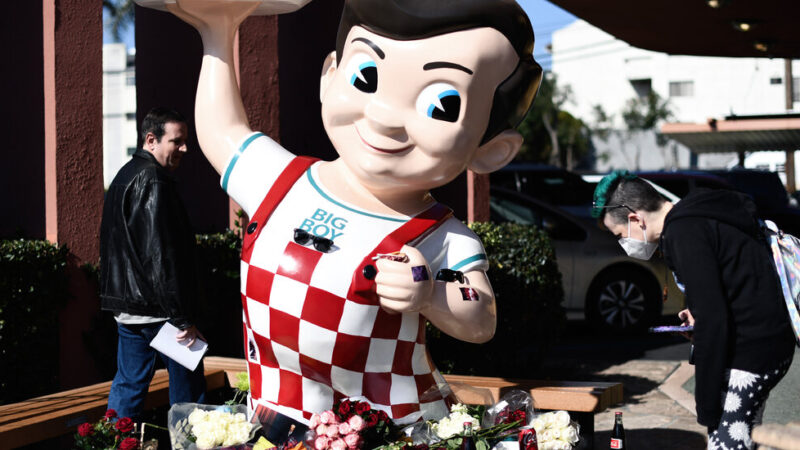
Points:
[(363, 73), (440, 101)]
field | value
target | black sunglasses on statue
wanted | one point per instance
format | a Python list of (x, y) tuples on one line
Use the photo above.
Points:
[(320, 243)]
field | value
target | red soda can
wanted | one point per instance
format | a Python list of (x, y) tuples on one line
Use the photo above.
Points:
[(527, 439)]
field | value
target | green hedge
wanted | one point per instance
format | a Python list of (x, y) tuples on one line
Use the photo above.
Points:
[(220, 318), (33, 289), (528, 291)]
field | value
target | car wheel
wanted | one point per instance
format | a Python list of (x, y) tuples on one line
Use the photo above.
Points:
[(623, 300)]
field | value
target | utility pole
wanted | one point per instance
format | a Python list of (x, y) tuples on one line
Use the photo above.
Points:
[(789, 166)]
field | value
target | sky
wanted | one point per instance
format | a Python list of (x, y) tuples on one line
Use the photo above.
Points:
[(545, 17)]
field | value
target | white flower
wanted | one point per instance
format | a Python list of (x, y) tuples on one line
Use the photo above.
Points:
[(739, 379), (570, 435), (197, 416), (561, 419), (539, 425), (732, 402), (205, 441), (741, 432), (459, 408)]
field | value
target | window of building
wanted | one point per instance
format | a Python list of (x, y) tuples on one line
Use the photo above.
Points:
[(681, 88), (130, 80), (776, 80), (642, 87), (130, 116), (796, 89)]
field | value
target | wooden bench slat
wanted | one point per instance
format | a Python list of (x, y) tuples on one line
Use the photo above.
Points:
[(54, 415)]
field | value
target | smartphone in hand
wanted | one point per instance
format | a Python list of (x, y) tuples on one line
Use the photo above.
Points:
[(671, 329)]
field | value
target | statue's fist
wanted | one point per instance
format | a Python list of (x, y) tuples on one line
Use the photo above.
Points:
[(404, 286)]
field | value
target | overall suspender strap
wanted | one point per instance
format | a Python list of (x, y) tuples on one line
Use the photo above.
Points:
[(412, 232), (276, 193)]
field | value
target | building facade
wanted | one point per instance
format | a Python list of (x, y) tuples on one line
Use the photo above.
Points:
[(602, 70), (119, 109)]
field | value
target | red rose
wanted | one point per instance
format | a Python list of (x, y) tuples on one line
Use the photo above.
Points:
[(372, 420), (85, 429), (362, 407), (110, 414), (129, 444), (344, 409), (125, 425)]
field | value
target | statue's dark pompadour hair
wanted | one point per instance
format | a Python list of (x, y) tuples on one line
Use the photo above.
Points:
[(419, 19)]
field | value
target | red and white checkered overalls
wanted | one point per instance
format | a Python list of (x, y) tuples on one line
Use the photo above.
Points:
[(314, 352)]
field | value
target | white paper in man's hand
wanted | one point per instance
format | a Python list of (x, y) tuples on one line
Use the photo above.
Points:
[(167, 343)]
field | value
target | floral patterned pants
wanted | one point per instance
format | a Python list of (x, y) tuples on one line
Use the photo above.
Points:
[(742, 407)]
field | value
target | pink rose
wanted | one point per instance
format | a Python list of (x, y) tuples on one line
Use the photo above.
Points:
[(332, 431), (353, 440), (315, 420), (328, 417), (338, 444), (321, 430), (344, 429), (321, 443), (356, 423)]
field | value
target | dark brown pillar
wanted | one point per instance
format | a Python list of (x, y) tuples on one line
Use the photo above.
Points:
[(73, 137), (22, 198), (477, 197), (168, 57)]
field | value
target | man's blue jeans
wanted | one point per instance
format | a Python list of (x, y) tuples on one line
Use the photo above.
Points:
[(136, 362)]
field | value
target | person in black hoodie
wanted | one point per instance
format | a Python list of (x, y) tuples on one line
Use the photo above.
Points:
[(711, 240)]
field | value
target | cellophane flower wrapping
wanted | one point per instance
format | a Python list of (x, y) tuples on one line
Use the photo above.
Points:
[(556, 431), (195, 426), (515, 406)]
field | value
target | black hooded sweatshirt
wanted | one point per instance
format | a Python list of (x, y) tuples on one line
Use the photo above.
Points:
[(713, 243)]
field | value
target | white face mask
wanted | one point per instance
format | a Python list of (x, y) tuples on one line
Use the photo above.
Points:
[(638, 249)]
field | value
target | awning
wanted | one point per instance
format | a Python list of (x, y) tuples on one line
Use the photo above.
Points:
[(698, 27), (746, 134)]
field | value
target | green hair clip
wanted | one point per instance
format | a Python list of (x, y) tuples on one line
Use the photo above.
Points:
[(604, 187)]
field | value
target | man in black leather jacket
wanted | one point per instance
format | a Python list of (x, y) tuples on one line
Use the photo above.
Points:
[(147, 268)]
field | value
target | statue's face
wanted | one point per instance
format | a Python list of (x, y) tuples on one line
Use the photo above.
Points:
[(411, 114)]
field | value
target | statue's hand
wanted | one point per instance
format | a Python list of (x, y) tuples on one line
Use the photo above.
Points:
[(404, 286), (213, 16)]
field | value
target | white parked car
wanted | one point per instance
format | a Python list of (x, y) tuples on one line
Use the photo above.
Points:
[(612, 291)]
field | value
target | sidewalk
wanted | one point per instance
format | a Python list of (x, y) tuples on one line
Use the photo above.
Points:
[(658, 408)]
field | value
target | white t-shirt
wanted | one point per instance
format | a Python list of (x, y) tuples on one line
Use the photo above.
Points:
[(252, 170)]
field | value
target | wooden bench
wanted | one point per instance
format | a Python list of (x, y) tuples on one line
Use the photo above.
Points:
[(581, 399), (58, 414)]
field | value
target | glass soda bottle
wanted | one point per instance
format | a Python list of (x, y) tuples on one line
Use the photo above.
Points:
[(618, 433), (468, 441)]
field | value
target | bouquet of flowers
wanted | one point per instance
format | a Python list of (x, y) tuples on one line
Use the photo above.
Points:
[(351, 424), (109, 432), (193, 426), (490, 426), (555, 431)]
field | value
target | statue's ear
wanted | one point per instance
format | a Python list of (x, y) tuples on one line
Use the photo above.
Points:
[(496, 153), (328, 69)]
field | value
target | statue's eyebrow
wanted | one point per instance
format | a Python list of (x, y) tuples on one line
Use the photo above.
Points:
[(372, 45), (445, 65)]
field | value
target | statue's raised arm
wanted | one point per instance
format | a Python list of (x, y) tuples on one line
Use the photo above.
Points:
[(220, 118)]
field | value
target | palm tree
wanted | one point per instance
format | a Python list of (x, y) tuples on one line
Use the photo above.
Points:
[(120, 16)]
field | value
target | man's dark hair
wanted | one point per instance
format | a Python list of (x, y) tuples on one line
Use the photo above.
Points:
[(419, 19), (155, 119), (620, 189)]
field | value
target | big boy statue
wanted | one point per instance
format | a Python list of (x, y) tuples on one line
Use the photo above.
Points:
[(342, 260)]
